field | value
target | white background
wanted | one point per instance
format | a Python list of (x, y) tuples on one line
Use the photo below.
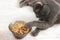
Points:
[(10, 12)]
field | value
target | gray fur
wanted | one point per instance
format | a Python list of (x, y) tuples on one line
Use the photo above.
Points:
[(53, 11)]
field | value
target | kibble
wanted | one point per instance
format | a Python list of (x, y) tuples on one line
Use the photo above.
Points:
[(18, 27)]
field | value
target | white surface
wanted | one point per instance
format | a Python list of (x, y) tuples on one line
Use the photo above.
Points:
[(10, 12)]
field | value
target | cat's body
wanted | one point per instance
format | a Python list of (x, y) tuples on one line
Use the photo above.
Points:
[(47, 17)]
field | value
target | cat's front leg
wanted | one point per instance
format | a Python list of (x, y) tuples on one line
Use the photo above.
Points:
[(35, 32), (37, 24)]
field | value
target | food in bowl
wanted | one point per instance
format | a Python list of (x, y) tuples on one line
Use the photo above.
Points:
[(18, 27)]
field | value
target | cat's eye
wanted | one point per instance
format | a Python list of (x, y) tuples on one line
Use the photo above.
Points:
[(40, 3)]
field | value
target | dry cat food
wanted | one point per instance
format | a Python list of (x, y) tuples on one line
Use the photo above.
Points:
[(18, 27)]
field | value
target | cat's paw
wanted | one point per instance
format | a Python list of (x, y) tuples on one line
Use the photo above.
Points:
[(34, 33)]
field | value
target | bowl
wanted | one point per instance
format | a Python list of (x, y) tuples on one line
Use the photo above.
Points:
[(18, 30)]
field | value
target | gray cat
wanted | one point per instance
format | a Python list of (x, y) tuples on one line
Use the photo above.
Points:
[(48, 12)]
